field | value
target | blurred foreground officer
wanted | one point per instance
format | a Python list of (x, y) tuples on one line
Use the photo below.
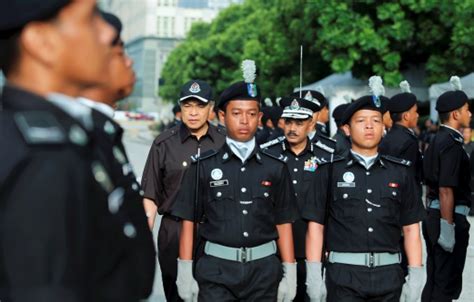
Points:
[(369, 200), (169, 156), (244, 208), (54, 190), (303, 158), (447, 175), (131, 263), (343, 141)]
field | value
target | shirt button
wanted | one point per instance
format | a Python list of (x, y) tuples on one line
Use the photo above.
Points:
[(185, 164), (369, 191), (266, 194), (245, 212), (295, 182), (345, 195), (296, 158), (142, 193), (370, 230), (135, 186), (295, 169), (369, 210), (394, 193), (218, 194), (296, 194), (242, 169), (243, 190), (367, 173), (246, 234)]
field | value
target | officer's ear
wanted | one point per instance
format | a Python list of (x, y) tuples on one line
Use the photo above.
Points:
[(347, 129), (37, 41), (221, 116)]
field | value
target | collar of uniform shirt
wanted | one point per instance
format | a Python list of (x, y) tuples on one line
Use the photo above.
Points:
[(72, 107), (184, 132), (241, 149), (101, 107), (312, 134), (455, 130), (366, 161)]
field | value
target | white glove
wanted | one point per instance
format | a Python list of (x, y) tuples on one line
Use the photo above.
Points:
[(188, 288), (447, 237), (315, 286), (287, 286), (413, 286)]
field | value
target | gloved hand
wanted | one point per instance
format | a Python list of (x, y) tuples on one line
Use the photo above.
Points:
[(413, 286), (446, 238), (188, 288), (287, 286), (315, 286)]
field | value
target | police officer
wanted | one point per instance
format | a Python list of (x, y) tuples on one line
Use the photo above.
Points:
[(343, 141), (133, 261), (303, 158), (168, 158), (55, 190), (245, 209), (447, 175), (360, 214)]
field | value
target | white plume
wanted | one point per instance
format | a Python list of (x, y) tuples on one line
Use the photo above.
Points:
[(278, 99), (347, 98), (405, 86), (455, 83), (249, 71), (376, 86), (268, 102)]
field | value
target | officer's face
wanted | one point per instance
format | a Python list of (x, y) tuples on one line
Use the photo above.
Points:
[(387, 120), (80, 44), (296, 131), (412, 116), (194, 113), (122, 76), (241, 119), (323, 116), (366, 129), (464, 115)]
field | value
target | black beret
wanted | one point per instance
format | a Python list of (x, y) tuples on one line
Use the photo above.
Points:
[(401, 102), (314, 96), (338, 113), (368, 102), (115, 22), (297, 108), (275, 114), (16, 14), (239, 91), (176, 109), (266, 114), (384, 101), (196, 89), (451, 100)]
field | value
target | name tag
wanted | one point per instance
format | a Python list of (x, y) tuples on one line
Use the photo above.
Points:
[(219, 183), (341, 184)]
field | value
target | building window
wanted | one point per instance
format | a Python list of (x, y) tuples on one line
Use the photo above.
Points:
[(158, 26), (172, 27)]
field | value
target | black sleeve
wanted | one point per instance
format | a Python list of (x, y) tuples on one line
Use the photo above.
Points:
[(285, 205), (450, 166), (44, 225), (151, 182), (410, 152), (314, 208), (412, 209), (183, 205)]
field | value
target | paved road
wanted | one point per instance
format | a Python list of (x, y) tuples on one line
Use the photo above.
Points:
[(138, 145)]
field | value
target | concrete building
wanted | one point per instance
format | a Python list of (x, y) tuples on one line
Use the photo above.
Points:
[(152, 29)]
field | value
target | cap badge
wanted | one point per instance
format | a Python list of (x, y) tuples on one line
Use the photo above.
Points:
[(308, 96), (376, 101), (348, 177), (295, 105), (252, 89), (216, 174), (195, 88)]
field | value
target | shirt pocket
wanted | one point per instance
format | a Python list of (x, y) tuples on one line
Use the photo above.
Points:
[(346, 204), (390, 201), (219, 206), (262, 204)]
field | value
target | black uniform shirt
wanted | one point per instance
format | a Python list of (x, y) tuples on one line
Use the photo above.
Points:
[(401, 142), (446, 164), (322, 129), (169, 157), (343, 143), (367, 207), (240, 203), (318, 136), (303, 169)]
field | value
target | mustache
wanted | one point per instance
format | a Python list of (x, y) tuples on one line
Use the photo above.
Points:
[(292, 133)]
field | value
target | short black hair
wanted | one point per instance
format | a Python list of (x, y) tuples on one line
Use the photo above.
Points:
[(444, 116), (9, 52), (224, 109), (396, 116)]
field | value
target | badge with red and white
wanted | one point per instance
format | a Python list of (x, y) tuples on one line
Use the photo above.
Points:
[(393, 185), (266, 183)]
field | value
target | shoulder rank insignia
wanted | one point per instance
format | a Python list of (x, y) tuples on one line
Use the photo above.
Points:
[(203, 155), (38, 127), (457, 138), (277, 156), (397, 160), (324, 147), (272, 142), (165, 135)]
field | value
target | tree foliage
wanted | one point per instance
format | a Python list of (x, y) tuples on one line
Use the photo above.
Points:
[(366, 37)]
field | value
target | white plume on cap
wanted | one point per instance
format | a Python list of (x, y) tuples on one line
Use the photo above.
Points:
[(347, 98), (249, 71), (268, 102), (376, 86), (455, 83), (278, 99), (405, 86)]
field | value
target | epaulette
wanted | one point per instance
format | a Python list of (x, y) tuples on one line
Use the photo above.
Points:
[(457, 138), (166, 134), (203, 155), (397, 160), (328, 138), (272, 142), (275, 155), (324, 147), (41, 127), (329, 160), (221, 130)]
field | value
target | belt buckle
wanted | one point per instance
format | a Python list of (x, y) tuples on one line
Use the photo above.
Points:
[(243, 254), (371, 260)]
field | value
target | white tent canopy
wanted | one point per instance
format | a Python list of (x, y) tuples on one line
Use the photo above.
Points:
[(436, 90)]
